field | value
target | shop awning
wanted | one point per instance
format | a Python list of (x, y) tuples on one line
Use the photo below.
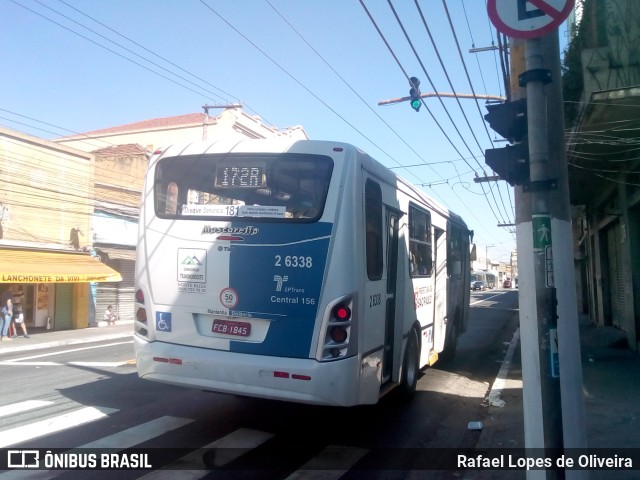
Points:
[(29, 266)]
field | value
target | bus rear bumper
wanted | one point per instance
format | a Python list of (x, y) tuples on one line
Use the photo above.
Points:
[(277, 378)]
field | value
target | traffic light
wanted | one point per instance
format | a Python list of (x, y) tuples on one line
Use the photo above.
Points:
[(414, 93), (510, 162), (509, 119)]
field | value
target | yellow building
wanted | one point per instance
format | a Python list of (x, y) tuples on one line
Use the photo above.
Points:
[(46, 208)]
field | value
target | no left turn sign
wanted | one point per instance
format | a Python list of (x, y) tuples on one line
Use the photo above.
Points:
[(528, 18)]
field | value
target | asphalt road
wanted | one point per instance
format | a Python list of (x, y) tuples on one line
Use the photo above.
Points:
[(90, 396)]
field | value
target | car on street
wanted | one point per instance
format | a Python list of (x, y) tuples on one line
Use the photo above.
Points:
[(506, 283), (478, 285)]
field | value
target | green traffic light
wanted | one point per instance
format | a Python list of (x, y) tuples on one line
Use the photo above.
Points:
[(415, 104)]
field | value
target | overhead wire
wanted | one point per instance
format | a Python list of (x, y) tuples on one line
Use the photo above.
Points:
[(206, 82), (174, 64), (113, 51), (374, 23), (466, 70), (308, 90), (473, 45), (431, 82), (424, 162), (444, 69)]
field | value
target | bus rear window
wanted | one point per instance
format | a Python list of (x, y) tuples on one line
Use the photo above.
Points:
[(286, 186)]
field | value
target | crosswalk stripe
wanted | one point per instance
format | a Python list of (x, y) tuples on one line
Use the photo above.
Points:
[(119, 441), (330, 464), (52, 425), (234, 444), (19, 407), (140, 433), (324, 466), (13, 363)]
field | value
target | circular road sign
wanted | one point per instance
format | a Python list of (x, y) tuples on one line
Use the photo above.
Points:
[(528, 18)]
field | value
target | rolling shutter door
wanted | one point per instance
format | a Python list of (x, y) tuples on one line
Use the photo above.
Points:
[(125, 297), (120, 295), (63, 307), (616, 277)]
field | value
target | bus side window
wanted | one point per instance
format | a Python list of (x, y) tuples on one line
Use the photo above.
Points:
[(454, 251), (420, 254), (373, 226)]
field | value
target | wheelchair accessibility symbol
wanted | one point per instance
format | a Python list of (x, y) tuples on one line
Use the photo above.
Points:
[(163, 321)]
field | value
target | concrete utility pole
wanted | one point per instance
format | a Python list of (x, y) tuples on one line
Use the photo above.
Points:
[(206, 107), (551, 363)]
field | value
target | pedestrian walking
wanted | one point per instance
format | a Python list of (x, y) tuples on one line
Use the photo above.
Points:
[(18, 314), (6, 310)]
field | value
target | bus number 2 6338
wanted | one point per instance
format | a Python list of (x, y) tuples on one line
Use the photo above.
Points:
[(293, 261)]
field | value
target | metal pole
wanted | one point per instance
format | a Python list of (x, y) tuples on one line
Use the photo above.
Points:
[(573, 417), (550, 344), (391, 101), (540, 184), (530, 353)]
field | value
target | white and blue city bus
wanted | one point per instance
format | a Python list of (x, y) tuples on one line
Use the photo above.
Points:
[(303, 271)]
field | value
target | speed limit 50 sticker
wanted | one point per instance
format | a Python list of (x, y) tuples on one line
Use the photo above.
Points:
[(229, 297)]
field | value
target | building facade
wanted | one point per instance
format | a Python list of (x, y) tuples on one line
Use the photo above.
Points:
[(154, 133), (121, 159), (46, 202), (603, 161)]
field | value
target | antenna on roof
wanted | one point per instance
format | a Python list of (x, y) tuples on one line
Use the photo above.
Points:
[(230, 105)]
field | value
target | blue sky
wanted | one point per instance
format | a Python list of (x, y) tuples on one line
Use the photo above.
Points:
[(318, 64)]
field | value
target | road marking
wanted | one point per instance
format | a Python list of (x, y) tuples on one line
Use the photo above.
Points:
[(232, 446), (13, 363), (118, 441), (330, 464), (19, 407), (140, 433), (53, 425), (488, 298), (66, 351), (493, 398), (24, 361)]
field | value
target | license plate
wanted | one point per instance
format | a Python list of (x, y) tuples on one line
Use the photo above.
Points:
[(231, 327)]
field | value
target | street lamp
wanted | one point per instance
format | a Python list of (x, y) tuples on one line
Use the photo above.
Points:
[(486, 255)]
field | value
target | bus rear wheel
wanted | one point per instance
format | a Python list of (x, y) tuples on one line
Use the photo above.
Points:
[(410, 368)]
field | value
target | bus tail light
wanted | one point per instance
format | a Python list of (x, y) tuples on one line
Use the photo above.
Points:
[(338, 334), (141, 314), (339, 330), (342, 313)]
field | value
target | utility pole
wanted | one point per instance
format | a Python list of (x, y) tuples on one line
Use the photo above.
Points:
[(552, 371), (550, 343), (569, 356), (538, 315), (206, 107)]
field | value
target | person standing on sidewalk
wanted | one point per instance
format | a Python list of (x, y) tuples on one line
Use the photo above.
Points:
[(109, 316), (6, 303), (18, 315)]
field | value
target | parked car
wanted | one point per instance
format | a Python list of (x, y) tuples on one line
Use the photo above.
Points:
[(479, 285), (506, 283)]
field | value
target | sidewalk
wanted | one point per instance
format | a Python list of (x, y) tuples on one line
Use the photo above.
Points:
[(41, 338), (611, 386)]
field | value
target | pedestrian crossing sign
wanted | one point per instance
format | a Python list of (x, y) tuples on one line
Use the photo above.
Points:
[(541, 230)]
